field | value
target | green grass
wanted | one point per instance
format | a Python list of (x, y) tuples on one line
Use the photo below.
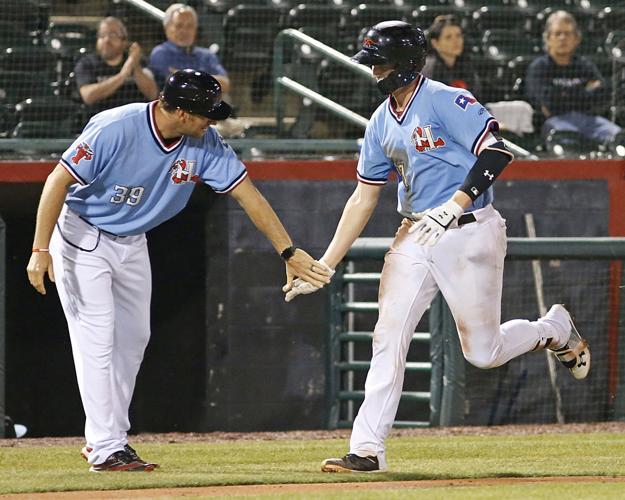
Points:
[(60, 468)]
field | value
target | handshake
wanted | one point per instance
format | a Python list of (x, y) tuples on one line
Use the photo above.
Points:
[(301, 287)]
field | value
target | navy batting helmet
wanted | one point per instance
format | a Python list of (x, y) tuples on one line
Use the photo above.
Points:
[(196, 92), (397, 43)]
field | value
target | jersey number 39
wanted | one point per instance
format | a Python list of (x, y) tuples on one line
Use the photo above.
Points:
[(128, 195)]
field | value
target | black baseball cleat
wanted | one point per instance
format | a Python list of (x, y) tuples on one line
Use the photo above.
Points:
[(351, 463), (135, 456), (84, 453), (121, 461)]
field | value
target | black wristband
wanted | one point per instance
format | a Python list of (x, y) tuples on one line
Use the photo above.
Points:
[(288, 252)]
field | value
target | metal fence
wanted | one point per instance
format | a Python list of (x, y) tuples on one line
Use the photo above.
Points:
[(586, 273), (41, 45)]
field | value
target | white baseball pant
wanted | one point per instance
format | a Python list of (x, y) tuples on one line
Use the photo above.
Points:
[(467, 266), (105, 292)]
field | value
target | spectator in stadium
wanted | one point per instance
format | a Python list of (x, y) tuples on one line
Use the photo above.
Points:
[(566, 89), (178, 52), (114, 74), (448, 62)]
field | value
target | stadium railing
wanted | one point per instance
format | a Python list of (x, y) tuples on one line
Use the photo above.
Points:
[(283, 82)]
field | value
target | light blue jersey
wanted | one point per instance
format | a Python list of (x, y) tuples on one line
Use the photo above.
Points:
[(129, 179), (432, 145)]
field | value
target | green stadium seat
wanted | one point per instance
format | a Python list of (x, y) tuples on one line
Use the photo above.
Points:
[(566, 144), (30, 58), (28, 15), (610, 19), (11, 36), (15, 86), (7, 120), (614, 45), (501, 17), (67, 38), (537, 5), (366, 15), (250, 31), (504, 45), (322, 22), (45, 117), (423, 16)]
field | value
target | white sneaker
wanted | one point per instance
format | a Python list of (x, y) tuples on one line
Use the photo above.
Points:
[(571, 350)]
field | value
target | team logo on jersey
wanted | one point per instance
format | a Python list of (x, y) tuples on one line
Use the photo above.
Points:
[(83, 151), (182, 171), (423, 139), (463, 101), (368, 42)]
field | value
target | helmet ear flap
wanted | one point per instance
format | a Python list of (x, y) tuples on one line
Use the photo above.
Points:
[(400, 77)]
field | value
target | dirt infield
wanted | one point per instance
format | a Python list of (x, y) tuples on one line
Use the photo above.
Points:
[(216, 437), (269, 489)]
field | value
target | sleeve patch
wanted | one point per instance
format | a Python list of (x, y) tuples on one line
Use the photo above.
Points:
[(464, 100), (83, 152)]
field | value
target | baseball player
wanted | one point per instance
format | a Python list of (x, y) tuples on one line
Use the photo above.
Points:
[(132, 168), (446, 152)]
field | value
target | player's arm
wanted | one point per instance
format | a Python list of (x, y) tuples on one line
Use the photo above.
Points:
[(50, 204), (356, 214), (265, 219), (493, 157)]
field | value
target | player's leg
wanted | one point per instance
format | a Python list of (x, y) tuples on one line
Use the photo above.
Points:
[(83, 281), (132, 287), (468, 267), (406, 289)]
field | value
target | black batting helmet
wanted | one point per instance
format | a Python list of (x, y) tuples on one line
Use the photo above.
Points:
[(196, 92), (397, 43)]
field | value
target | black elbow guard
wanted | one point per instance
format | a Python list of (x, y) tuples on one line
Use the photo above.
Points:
[(489, 164)]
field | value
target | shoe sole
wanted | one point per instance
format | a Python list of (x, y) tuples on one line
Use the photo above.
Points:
[(143, 468), (338, 468)]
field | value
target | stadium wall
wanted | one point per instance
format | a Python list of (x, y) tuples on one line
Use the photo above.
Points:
[(226, 352)]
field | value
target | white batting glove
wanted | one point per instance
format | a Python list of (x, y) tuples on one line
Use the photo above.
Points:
[(301, 287), (434, 222)]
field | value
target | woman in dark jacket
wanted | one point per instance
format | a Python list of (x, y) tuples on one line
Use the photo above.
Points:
[(447, 61)]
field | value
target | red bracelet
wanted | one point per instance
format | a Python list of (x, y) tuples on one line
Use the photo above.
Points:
[(35, 250)]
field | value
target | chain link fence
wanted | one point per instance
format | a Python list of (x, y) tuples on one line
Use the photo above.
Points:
[(486, 47)]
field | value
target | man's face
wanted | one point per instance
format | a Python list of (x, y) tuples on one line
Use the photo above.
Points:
[(194, 125), (111, 41), (562, 40), (381, 71), (182, 29)]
